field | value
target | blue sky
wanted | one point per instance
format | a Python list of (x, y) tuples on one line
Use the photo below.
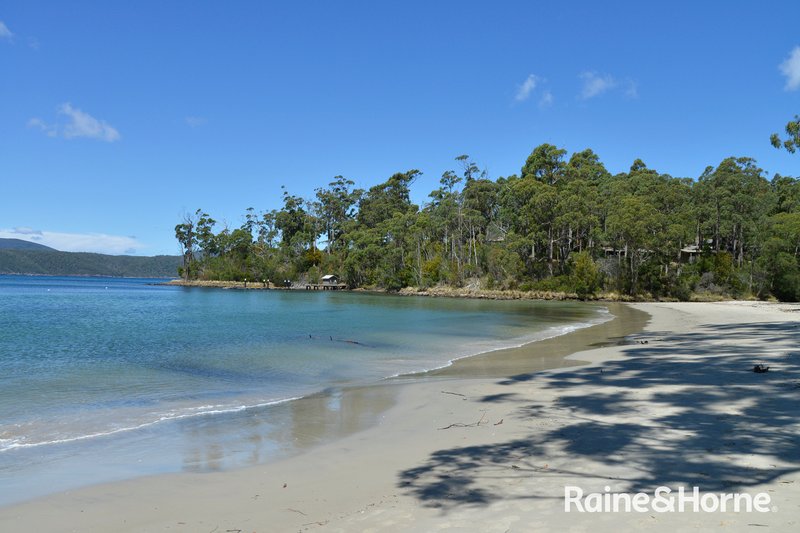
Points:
[(118, 117)]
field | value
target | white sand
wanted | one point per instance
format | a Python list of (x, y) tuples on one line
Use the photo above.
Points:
[(685, 409)]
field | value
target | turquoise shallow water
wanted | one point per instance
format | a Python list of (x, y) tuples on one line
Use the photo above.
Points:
[(86, 362)]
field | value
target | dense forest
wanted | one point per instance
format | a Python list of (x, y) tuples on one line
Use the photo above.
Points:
[(44, 261), (563, 224)]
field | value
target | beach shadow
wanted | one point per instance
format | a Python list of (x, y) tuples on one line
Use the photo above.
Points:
[(710, 422), (500, 397)]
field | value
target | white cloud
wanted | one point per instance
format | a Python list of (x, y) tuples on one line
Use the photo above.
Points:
[(48, 129), (196, 122), (791, 69), (595, 84), (76, 124), (5, 33), (82, 124), (524, 91), (546, 100), (100, 243)]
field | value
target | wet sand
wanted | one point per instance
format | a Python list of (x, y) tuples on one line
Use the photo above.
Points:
[(494, 454), (550, 353)]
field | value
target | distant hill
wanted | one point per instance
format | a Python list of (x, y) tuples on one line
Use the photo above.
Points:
[(54, 263), (19, 244)]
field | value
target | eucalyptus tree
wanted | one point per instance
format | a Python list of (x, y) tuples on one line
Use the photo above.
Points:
[(293, 222), (634, 225), (268, 231), (787, 193), (781, 258), (447, 219), (378, 246), (792, 141), (551, 227), (381, 201), (578, 213), (185, 234), (545, 164), (735, 196), (543, 172), (336, 207), (195, 235), (205, 233), (481, 209)]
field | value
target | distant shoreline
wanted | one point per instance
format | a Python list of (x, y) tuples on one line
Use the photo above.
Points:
[(57, 263), (84, 276)]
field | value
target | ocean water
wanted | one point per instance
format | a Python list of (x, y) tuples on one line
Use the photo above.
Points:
[(120, 377)]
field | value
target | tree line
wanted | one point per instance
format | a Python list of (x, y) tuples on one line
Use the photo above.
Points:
[(564, 223), (49, 262)]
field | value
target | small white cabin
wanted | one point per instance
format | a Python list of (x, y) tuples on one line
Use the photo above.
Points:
[(330, 279)]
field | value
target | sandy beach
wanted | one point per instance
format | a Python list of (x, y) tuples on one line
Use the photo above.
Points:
[(489, 450)]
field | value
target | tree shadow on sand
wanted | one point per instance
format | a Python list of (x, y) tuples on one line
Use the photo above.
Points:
[(711, 422)]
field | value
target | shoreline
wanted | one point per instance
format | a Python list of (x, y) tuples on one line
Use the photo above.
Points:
[(470, 293), (548, 356), (433, 292), (361, 404), (551, 352), (494, 455)]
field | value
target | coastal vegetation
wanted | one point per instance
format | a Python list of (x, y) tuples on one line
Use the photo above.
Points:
[(792, 140), (563, 224), (55, 263)]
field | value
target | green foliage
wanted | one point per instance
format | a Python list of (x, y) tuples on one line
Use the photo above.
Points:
[(431, 271), (564, 224), (723, 269), (585, 279), (785, 275), (335, 209), (792, 141), (504, 267), (55, 263), (545, 164), (313, 274), (780, 260)]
